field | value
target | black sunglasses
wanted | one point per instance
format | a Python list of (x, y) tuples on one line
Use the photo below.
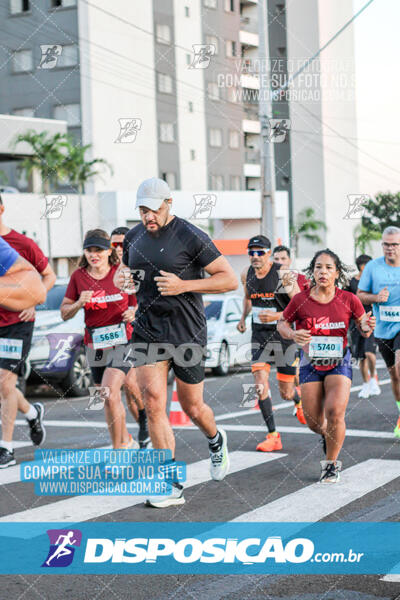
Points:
[(257, 252)]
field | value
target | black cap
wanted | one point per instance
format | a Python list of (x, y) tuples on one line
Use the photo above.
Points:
[(259, 240)]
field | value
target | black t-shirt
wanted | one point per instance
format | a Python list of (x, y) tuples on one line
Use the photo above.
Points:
[(353, 287), (266, 294), (183, 249)]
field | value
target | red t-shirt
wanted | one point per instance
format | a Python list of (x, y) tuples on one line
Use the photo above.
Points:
[(108, 303), (303, 282), (328, 319), (29, 250)]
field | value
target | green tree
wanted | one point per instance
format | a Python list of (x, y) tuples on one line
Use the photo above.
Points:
[(306, 227), (382, 211), (46, 159), (78, 171), (363, 236)]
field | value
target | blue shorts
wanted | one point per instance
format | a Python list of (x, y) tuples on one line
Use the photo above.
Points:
[(309, 373)]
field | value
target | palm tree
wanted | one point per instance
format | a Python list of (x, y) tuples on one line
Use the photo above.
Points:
[(363, 236), (78, 170), (306, 227), (47, 159)]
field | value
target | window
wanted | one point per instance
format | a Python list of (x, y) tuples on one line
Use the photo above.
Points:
[(68, 56), (210, 3), (70, 113), (167, 132), (229, 5), (215, 137), (234, 139), (235, 182), (211, 40), (164, 83), (64, 3), (163, 34), (22, 61), (213, 91), (19, 6), (187, 11), (230, 48), (193, 155), (216, 182), (23, 112), (190, 106), (170, 178)]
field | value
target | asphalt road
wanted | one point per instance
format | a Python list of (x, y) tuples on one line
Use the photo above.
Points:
[(262, 483)]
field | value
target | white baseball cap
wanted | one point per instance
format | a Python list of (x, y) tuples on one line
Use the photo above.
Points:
[(152, 192)]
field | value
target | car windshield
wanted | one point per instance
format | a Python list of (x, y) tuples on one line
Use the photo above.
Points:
[(213, 309), (54, 298)]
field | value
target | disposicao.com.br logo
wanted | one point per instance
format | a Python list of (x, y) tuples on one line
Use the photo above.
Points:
[(212, 550), (62, 547)]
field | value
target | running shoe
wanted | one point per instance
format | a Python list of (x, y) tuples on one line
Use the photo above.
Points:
[(37, 430), (330, 471), (365, 390), (300, 414), (397, 429), (131, 444), (6, 458), (219, 465), (323, 443), (174, 499), (271, 443), (374, 389)]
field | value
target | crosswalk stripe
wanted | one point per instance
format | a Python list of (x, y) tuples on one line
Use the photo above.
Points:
[(23, 444), (314, 502), (393, 578), (83, 508)]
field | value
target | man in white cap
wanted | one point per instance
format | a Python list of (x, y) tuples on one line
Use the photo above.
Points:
[(166, 256)]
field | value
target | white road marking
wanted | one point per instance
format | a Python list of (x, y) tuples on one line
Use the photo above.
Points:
[(392, 577), (83, 508), (314, 502)]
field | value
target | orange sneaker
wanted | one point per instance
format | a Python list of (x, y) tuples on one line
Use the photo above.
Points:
[(271, 443), (300, 414)]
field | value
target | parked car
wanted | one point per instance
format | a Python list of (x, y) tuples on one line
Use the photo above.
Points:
[(57, 355), (226, 346)]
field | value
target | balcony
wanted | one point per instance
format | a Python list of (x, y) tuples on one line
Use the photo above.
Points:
[(249, 81), (249, 24), (251, 126), (247, 38), (248, 2)]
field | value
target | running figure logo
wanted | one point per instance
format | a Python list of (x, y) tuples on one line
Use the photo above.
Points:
[(50, 54), (128, 129), (204, 203), (202, 55), (278, 130), (62, 351), (97, 397), (357, 205), (287, 279), (251, 392), (62, 547), (55, 204)]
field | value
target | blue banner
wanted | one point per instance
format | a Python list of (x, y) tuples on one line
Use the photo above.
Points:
[(200, 548)]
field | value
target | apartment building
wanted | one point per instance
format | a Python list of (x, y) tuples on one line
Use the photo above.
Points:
[(171, 88)]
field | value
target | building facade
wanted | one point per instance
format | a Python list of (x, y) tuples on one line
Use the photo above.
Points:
[(171, 88)]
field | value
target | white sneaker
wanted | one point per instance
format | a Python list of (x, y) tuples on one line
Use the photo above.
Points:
[(220, 460), (174, 499), (374, 389), (365, 390)]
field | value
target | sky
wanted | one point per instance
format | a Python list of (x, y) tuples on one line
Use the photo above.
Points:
[(377, 56)]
